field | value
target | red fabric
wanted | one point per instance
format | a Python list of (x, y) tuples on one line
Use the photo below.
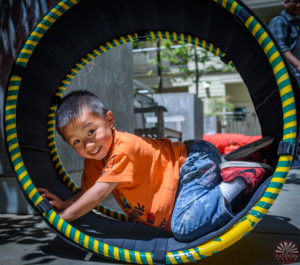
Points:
[(224, 140), (252, 175), (229, 148)]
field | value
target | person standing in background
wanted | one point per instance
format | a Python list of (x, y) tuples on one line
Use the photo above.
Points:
[(286, 29)]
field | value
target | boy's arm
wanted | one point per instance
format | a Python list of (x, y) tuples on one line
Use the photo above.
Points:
[(88, 200), (73, 199)]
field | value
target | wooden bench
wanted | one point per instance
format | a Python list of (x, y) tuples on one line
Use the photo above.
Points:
[(159, 131)]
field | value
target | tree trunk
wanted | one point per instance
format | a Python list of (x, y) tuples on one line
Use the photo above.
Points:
[(197, 74), (159, 70)]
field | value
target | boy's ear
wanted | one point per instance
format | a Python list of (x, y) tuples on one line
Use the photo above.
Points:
[(110, 117)]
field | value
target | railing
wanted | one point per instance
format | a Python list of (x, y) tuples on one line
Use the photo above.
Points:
[(240, 122)]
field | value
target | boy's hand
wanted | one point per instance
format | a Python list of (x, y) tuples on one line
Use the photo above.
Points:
[(56, 202)]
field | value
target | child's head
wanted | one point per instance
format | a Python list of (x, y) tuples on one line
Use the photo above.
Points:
[(72, 105), (85, 124), (292, 7)]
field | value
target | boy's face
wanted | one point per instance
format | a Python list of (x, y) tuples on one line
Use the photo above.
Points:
[(89, 135)]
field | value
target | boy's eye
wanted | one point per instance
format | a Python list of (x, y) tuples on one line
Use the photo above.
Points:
[(76, 142), (91, 132)]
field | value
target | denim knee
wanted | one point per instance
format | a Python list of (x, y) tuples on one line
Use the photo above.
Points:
[(202, 146), (202, 164), (201, 215)]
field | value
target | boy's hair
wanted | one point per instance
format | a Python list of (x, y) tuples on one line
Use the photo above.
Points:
[(72, 105)]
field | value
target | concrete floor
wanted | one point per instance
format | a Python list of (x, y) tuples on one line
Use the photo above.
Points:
[(27, 240)]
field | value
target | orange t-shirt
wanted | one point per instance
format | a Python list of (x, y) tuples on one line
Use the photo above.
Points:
[(147, 171)]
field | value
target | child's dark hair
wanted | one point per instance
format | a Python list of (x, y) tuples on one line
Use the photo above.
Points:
[(71, 106)]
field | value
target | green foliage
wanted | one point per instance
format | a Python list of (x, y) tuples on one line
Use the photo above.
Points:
[(139, 44), (182, 57), (218, 105)]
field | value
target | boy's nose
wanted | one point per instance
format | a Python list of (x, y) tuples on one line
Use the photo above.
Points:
[(89, 145)]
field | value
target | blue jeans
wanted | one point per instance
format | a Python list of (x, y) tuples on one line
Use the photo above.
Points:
[(199, 206)]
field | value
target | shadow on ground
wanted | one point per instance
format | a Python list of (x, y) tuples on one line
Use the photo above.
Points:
[(293, 178)]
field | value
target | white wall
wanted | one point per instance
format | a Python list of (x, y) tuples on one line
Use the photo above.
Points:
[(189, 107), (239, 95)]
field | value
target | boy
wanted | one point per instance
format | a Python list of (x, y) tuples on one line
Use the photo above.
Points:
[(172, 186)]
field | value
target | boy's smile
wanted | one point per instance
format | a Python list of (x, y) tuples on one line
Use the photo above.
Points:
[(90, 136)]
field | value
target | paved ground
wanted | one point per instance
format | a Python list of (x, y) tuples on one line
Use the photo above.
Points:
[(26, 240)]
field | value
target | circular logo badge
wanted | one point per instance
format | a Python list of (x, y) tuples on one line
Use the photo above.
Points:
[(286, 252)]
